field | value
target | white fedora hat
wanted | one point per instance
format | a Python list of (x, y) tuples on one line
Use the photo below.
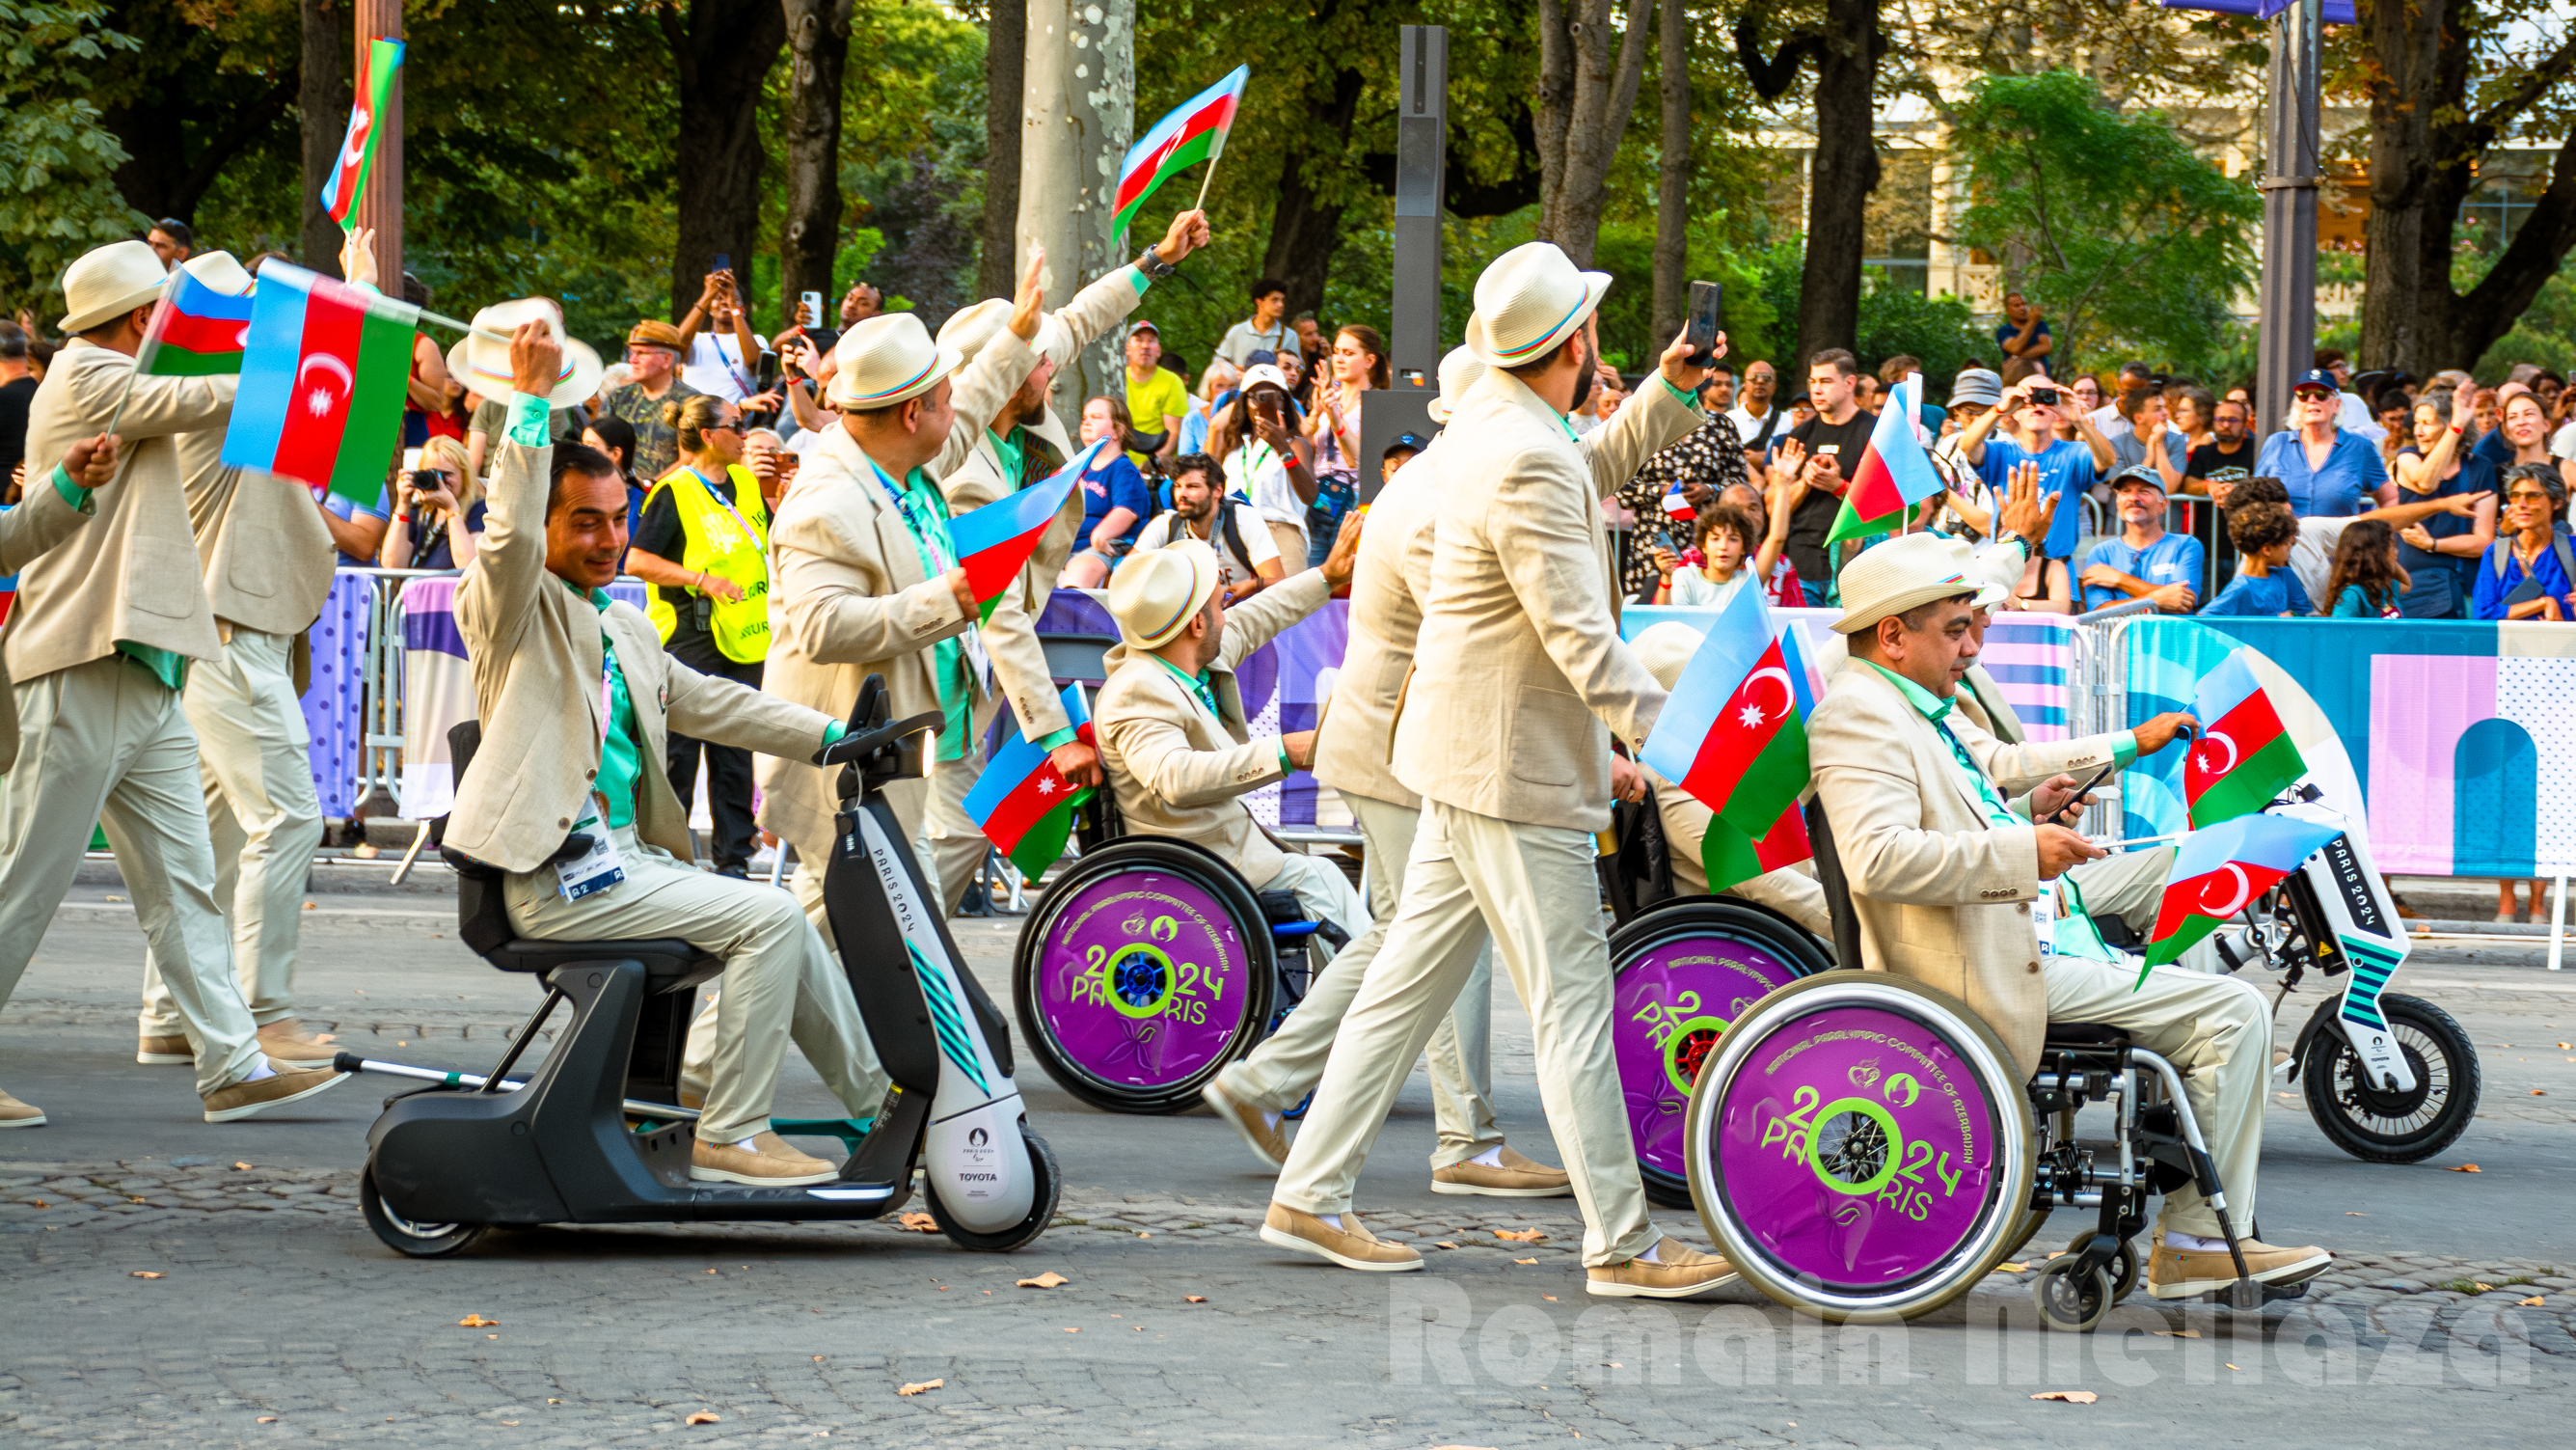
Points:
[(1459, 371), (483, 363), (886, 359), (1989, 593), (1155, 594), (968, 329), (1531, 298), (1898, 575), (1665, 650), (108, 282), (219, 271)]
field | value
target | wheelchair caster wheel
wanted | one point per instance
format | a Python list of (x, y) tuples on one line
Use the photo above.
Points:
[(2076, 1304), (1299, 1111), (2123, 1270), (417, 1240)]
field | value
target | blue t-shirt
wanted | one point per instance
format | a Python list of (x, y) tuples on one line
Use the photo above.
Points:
[(1115, 485), (2441, 581), (2332, 492), (2065, 468), (2006, 331), (2492, 589), (2173, 559), (349, 510), (2276, 593)]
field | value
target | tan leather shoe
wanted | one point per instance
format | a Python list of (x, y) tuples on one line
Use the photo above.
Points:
[(15, 1114), (1514, 1177), (289, 1045), (244, 1099), (1352, 1246), (1258, 1129), (2180, 1273), (768, 1163), (163, 1051), (1676, 1273)]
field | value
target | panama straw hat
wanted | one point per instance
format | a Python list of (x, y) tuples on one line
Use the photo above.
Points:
[(968, 330), (219, 271), (483, 363), (1156, 594), (1459, 371), (1989, 594), (108, 282), (1665, 650), (1531, 298), (888, 358), (1898, 575)]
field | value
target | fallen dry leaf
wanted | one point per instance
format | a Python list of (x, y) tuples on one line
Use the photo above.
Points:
[(1194, 1298), (701, 1417), (2562, 1047), (1047, 1280), (242, 1166), (144, 1274), (2535, 1092), (2534, 1302), (475, 1321), (2179, 1333), (2467, 1168), (1524, 1261), (2072, 1397), (1140, 1233), (1519, 1236), (2484, 1288), (920, 1223), (2010, 1268), (2057, 1253), (1444, 1244), (1073, 1331), (2348, 1213), (917, 1386), (1551, 1298), (268, 1419)]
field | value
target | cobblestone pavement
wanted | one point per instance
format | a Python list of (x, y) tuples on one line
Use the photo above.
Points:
[(278, 1319)]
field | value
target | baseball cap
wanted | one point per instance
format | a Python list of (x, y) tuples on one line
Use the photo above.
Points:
[(1414, 441), (2317, 378), (2138, 475), (1977, 385), (1143, 325)]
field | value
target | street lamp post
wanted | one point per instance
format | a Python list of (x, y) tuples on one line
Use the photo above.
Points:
[(2287, 336)]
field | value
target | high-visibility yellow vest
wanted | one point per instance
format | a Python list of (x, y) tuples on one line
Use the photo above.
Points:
[(717, 544)]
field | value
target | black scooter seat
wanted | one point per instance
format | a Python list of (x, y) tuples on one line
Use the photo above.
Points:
[(668, 961)]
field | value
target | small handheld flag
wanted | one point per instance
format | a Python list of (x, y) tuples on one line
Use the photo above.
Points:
[(358, 148), (196, 331), (2216, 871), (994, 542), (1677, 506), (2244, 757), (1893, 474), (321, 383), (1022, 803), (1732, 735), (1192, 133)]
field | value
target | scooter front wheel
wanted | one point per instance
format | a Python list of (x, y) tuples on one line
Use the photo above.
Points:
[(1048, 1192), (2395, 1127), (417, 1240)]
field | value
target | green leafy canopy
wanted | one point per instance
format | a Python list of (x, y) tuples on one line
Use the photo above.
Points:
[(56, 196)]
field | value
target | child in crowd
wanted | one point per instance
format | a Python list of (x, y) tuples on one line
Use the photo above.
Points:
[(1115, 500), (2367, 580), (1724, 536), (2264, 534)]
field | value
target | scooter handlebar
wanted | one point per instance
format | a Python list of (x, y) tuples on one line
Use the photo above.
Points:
[(861, 744)]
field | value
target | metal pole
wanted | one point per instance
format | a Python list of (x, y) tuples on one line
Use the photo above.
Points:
[(380, 204), (1421, 168), (2287, 346)]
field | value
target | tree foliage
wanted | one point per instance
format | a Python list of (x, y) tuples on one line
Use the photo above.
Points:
[(57, 198), (2106, 219)]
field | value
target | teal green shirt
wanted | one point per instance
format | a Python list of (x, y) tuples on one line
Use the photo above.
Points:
[(167, 666), (621, 761)]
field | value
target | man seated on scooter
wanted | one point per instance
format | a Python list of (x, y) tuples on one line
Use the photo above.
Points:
[(1170, 720), (1665, 650), (567, 793), (1944, 879)]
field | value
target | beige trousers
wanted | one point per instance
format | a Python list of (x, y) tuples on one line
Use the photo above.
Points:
[(2217, 1031), (106, 743), (779, 981), (1287, 1066), (254, 752), (2130, 886), (1535, 889)]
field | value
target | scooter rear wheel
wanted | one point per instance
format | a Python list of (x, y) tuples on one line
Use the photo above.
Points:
[(1681, 974), (417, 1240), (1049, 1191), (1142, 974)]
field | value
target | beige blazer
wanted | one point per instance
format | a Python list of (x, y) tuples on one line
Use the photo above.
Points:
[(267, 554), (537, 660), (1519, 676), (1941, 896), (1179, 773), (26, 532), (134, 573), (849, 600), (1355, 739)]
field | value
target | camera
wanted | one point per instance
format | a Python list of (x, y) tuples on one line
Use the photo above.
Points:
[(2044, 396)]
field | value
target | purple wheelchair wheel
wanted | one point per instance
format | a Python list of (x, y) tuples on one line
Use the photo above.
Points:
[(1682, 973), (1142, 973), (1860, 1145)]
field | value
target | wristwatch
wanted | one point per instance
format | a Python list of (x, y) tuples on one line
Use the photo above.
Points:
[(1153, 266)]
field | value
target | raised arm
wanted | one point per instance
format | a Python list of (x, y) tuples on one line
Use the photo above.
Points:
[(710, 707), (1659, 415), (496, 595), (157, 407)]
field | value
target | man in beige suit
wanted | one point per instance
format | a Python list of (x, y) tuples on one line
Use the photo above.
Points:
[(106, 628), (1943, 876), (1504, 730), (1001, 458), (577, 699), (267, 558)]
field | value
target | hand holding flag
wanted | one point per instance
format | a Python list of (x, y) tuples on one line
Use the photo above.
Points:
[(2218, 870), (994, 542), (1022, 803), (1892, 474), (1195, 131), (2245, 756), (1733, 735), (322, 382)]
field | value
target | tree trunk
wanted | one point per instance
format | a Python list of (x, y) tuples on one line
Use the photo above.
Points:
[(722, 54), (1077, 116), (324, 98), (818, 34), (1304, 228), (1845, 172), (1006, 51), (2425, 142), (1585, 98), (1672, 174)]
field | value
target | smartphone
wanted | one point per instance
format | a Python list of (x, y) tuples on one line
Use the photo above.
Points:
[(2075, 812), (813, 308), (1707, 311), (2044, 396), (722, 263)]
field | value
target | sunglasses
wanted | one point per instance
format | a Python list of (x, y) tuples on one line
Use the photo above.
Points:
[(2312, 395)]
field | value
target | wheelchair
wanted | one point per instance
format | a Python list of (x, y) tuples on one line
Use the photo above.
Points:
[(1861, 1146), (1152, 964)]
